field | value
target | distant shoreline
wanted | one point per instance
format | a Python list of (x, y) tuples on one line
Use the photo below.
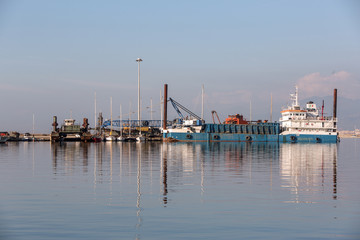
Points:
[(349, 134)]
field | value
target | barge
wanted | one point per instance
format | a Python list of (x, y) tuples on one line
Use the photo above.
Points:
[(235, 129), (252, 132)]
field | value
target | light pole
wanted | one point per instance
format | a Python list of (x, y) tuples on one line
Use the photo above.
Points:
[(138, 61)]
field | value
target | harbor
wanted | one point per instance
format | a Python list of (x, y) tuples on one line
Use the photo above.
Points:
[(296, 125), (157, 120)]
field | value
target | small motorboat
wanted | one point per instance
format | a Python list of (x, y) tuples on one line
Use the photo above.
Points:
[(140, 138), (3, 139)]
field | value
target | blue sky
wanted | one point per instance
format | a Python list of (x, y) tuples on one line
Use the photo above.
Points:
[(55, 54)]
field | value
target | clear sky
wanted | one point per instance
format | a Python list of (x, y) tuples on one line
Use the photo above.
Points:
[(54, 55)]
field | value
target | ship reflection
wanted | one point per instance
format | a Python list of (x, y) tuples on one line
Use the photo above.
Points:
[(140, 171), (185, 158), (306, 168), (174, 164), (169, 167), (66, 157)]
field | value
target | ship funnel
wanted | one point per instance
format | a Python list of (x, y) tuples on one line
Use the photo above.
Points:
[(85, 124), (335, 104), (165, 105)]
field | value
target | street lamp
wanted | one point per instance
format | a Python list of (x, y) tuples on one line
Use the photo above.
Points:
[(138, 61)]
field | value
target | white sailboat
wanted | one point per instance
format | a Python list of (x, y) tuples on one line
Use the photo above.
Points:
[(140, 138)]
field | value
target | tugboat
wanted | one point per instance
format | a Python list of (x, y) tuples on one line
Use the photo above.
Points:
[(307, 125)]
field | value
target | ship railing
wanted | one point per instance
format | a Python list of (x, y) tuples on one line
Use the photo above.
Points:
[(135, 123), (321, 118), (311, 118)]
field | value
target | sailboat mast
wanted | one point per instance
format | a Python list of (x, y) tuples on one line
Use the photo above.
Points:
[(95, 113), (120, 121), (33, 127), (129, 119), (202, 102), (271, 107), (111, 119)]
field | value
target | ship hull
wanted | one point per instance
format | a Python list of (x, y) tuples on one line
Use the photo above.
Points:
[(219, 137), (263, 132), (308, 138), (307, 125)]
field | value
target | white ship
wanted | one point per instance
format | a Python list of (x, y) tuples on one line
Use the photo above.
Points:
[(307, 125)]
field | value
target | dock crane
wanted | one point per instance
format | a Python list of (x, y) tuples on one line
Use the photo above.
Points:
[(177, 105), (213, 112)]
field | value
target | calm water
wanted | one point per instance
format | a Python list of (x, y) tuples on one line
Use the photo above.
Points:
[(180, 191)]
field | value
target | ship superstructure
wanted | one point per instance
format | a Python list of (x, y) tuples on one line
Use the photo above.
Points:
[(307, 125)]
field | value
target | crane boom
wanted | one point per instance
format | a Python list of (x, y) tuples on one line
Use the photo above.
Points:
[(177, 105), (215, 113)]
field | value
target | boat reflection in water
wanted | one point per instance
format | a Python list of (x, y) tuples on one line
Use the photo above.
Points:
[(302, 168), (174, 165), (140, 183), (309, 168), (69, 156)]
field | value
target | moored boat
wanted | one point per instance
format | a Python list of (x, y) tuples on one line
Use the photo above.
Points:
[(3, 139), (234, 129), (307, 124), (110, 138), (197, 131), (69, 131), (140, 138)]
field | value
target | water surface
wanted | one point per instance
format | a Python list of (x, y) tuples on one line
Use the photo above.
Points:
[(180, 191)]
